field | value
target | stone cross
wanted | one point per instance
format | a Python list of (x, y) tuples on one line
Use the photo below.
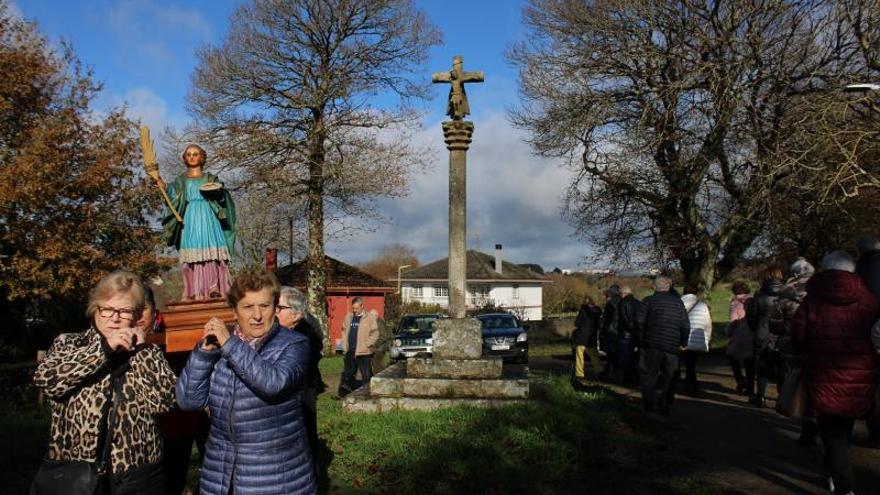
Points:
[(457, 134), (458, 107)]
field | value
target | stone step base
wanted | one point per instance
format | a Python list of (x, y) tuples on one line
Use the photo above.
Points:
[(361, 401), (454, 368), (394, 382)]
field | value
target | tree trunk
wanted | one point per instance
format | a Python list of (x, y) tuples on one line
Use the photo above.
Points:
[(317, 283), (698, 268)]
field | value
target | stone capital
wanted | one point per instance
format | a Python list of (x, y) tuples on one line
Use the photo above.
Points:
[(457, 134)]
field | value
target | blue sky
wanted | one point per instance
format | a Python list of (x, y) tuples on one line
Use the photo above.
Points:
[(144, 52)]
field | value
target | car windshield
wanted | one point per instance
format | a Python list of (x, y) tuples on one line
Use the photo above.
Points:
[(498, 322), (421, 323)]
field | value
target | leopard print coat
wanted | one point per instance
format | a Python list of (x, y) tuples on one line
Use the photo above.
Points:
[(75, 377)]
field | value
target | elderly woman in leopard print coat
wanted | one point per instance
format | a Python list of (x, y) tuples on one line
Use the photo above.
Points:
[(76, 376)]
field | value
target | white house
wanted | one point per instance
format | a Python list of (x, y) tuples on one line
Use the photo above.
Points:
[(489, 280)]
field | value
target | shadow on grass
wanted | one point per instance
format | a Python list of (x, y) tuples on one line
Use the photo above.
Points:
[(562, 441)]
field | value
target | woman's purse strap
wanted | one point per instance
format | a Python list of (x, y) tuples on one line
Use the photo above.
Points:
[(108, 421)]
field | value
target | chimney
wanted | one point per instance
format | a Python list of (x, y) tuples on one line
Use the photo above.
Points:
[(498, 258), (271, 259)]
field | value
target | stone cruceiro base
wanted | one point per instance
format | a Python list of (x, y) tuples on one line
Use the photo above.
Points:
[(457, 338), (394, 389), (395, 382), (454, 368), (455, 375)]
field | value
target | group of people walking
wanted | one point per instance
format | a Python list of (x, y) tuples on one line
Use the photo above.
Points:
[(826, 325), (644, 341), (258, 380), (822, 327)]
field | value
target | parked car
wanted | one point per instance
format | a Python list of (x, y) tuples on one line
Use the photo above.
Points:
[(413, 337), (504, 336)]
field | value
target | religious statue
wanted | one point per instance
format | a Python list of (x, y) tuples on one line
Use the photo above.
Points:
[(199, 221), (457, 108)]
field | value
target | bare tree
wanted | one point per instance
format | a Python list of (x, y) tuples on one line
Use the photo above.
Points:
[(385, 265), (285, 100), (677, 115)]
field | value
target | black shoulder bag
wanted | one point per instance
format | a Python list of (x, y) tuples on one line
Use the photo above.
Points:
[(65, 477)]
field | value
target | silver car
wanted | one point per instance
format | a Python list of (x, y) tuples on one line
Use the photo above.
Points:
[(414, 336)]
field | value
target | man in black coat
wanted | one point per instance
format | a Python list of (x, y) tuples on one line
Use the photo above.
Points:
[(631, 316), (664, 335), (584, 339)]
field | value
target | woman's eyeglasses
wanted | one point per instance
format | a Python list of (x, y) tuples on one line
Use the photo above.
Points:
[(124, 313)]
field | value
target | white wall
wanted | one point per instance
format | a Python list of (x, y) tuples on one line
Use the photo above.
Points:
[(528, 304)]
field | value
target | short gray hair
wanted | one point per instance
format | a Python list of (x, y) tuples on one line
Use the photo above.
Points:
[(357, 300), (868, 243), (839, 260), (801, 268), (294, 298), (626, 290), (662, 283)]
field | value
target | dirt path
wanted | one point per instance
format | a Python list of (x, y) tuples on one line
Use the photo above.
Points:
[(740, 448)]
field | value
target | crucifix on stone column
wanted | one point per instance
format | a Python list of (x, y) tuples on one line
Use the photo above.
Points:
[(458, 107), (457, 134)]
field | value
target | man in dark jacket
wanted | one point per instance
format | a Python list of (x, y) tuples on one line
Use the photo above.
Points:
[(584, 336), (631, 315), (831, 330), (765, 318), (608, 335), (868, 268), (664, 335)]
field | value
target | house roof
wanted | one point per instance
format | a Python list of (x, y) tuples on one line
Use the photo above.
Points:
[(480, 266), (339, 274)]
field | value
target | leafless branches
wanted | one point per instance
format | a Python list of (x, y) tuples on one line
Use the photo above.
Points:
[(681, 116), (287, 101)]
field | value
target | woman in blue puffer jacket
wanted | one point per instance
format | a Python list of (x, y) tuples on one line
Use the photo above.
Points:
[(251, 378)]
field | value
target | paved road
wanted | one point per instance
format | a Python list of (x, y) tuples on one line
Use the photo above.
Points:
[(739, 448)]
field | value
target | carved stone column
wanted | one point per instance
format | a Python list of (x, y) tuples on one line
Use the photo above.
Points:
[(457, 134)]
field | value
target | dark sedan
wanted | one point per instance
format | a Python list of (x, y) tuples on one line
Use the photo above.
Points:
[(504, 336)]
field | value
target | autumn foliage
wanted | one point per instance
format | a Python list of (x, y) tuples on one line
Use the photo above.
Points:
[(72, 205)]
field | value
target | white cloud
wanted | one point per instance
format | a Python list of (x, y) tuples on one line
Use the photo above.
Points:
[(145, 104), (151, 32), (514, 199)]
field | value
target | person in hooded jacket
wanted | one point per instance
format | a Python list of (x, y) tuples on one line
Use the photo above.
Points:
[(790, 299), (763, 316), (740, 340), (831, 330), (700, 319), (585, 336)]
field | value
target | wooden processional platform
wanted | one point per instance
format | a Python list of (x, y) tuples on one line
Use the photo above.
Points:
[(185, 321)]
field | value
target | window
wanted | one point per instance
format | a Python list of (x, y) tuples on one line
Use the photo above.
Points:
[(416, 291), (479, 291), (516, 291), (441, 291)]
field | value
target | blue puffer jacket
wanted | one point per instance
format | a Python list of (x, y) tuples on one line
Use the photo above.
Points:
[(257, 440)]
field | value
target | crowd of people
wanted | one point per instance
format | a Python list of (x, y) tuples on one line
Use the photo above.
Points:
[(258, 379), (822, 327)]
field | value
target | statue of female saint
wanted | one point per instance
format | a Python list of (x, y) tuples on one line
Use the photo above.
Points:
[(206, 237)]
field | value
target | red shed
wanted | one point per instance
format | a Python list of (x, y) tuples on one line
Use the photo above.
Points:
[(344, 283)]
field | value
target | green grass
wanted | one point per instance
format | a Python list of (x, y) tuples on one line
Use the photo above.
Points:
[(562, 441)]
